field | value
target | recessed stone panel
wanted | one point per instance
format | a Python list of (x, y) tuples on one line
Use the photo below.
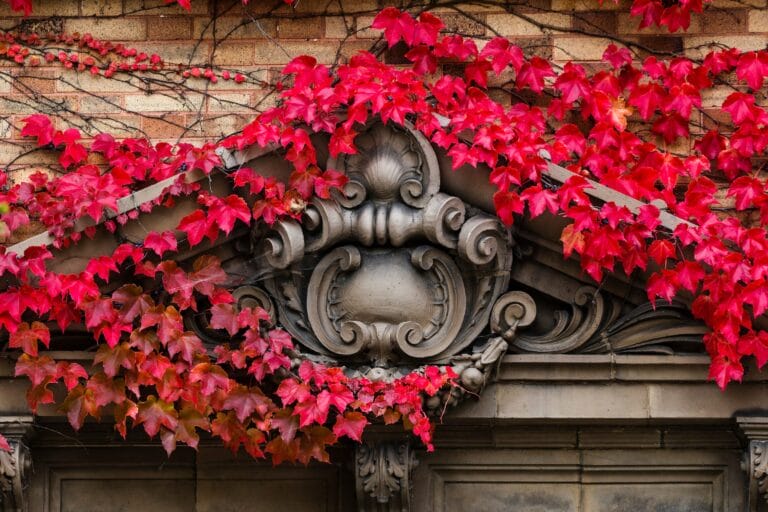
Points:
[(670, 497), (88, 493), (504, 497), (268, 495)]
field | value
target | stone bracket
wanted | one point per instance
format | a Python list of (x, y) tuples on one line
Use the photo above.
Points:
[(755, 430), (383, 475), (16, 465)]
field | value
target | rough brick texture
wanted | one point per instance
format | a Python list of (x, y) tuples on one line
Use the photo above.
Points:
[(258, 39)]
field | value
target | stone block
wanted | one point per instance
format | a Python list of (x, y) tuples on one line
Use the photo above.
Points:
[(167, 126), (117, 29), (531, 437), (100, 104), (693, 437), (738, 4), (155, 7), (596, 22), (325, 7), (180, 53), (589, 5), (166, 28), (19, 105), (269, 53), (722, 21), (229, 102), (579, 48), (31, 81), (43, 8), (220, 125), (162, 103), (572, 401), (626, 437), (682, 497), (699, 47), (120, 126), (100, 492), (301, 28), (364, 30), (295, 494), (233, 27), (233, 54), (500, 496), (464, 25), (704, 401), (511, 25), (78, 82), (758, 20), (100, 8), (715, 96), (339, 27)]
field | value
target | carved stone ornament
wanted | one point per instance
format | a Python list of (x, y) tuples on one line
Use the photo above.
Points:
[(755, 430), (383, 476), (391, 271), (16, 465)]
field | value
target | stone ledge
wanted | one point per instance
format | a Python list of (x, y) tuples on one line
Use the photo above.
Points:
[(612, 368)]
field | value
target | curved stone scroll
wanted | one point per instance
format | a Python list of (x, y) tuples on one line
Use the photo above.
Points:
[(594, 324), (660, 328), (571, 329)]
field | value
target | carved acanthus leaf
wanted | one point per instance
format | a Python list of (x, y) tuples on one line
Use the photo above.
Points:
[(383, 476)]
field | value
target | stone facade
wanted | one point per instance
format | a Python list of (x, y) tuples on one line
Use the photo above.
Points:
[(578, 399), (600, 404)]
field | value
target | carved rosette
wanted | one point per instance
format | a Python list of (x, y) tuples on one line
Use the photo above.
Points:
[(391, 271)]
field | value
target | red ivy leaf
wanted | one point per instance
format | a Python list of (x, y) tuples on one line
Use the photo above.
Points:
[(160, 243), (27, 336), (154, 413), (351, 425)]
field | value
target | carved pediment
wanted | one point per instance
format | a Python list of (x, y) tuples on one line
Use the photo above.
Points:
[(408, 265), (395, 271)]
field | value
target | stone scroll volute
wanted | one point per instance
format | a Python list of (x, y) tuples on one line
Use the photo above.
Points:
[(390, 270)]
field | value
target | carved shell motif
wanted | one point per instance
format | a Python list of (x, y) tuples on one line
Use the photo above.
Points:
[(391, 270)]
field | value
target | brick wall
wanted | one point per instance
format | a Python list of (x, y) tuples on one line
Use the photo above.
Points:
[(262, 37)]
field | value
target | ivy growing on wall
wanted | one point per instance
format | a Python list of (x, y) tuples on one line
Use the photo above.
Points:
[(616, 125)]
